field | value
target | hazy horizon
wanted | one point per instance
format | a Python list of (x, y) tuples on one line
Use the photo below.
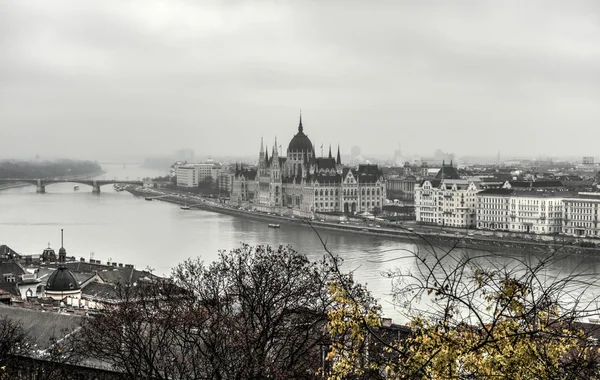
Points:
[(146, 78)]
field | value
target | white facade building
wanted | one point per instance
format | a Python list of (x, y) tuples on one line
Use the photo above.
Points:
[(190, 175), (520, 211), (447, 200), (493, 209), (535, 212), (581, 215), (187, 176)]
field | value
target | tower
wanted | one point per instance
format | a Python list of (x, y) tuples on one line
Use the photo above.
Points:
[(338, 161), (62, 252)]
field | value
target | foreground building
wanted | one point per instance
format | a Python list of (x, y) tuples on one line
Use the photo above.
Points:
[(302, 184)]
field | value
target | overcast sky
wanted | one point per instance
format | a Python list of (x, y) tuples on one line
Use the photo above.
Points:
[(93, 79)]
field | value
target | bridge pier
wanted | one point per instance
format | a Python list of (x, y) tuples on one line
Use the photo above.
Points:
[(40, 187), (96, 189)]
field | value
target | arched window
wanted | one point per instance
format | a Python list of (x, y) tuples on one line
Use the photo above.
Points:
[(321, 192), (316, 193)]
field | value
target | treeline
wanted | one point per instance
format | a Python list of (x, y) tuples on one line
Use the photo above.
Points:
[(47, 169), (271, 313)]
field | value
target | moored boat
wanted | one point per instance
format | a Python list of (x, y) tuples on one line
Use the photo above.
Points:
[(271, 225), (148, 198), (76, 187), (185, 207)]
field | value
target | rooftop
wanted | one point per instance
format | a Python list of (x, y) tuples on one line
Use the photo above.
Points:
[(41, 326)]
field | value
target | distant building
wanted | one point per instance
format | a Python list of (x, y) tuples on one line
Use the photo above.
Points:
[(541, 185), (303, 184), (402, 188), (493, 209), (190, 175), (447, 199), (520, 211), (355, 154), (581, 215), (187, 176), (225, 180), (588, 160), (243, 185)]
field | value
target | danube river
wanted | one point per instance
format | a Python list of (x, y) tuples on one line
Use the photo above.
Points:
[(116, 226)]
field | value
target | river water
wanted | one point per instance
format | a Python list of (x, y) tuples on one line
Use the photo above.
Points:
[(116, 226)]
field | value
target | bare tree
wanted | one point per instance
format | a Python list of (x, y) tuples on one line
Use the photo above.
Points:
[(475, 315), (12, 341), (254, 313)]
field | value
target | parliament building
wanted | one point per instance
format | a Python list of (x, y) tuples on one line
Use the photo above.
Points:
[(304, 185)]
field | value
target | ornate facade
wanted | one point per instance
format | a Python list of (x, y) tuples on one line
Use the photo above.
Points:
[(302, 184), (447, 200)]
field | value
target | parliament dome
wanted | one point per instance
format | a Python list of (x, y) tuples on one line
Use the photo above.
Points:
[(300, 142)]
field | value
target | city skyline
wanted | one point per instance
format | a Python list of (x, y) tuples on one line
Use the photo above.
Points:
[(145, 76)]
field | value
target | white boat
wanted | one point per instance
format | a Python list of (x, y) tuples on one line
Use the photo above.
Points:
[(271, 225), (185, 207), (76, 187)]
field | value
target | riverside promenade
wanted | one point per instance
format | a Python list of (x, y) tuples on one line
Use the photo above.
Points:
[(432, 238)]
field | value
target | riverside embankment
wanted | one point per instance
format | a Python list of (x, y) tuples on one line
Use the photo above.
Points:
[(426, 238)]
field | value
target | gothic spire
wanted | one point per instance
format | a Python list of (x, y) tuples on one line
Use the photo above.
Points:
[(261, 145), (300, 128), (330, 151), (267, 155), (339, 158)]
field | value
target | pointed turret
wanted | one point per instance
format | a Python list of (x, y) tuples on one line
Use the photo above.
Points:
[(62, 252), (339, 158), (330, 151), (300, 128), (261, 155), (267, 155)]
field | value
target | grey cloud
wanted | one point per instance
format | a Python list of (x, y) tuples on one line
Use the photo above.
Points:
[(215, 76)]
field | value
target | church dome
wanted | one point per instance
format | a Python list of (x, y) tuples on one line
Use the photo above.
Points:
[(62, 280), (300, 142)]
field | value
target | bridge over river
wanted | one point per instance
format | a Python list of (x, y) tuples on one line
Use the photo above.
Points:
[(94, 183)]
